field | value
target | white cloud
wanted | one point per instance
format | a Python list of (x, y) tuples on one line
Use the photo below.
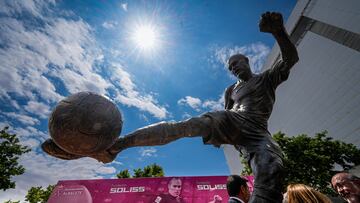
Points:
[(124, 6), (256, 52), (63, 50), (214, 105), (147, 152), (4, 124), (109, 24), (67, 44), (7, 99), (15, 7), (117, 163), (27, 120), (29, 130), (186, 115), (106, 170), (144, 118), (38, 108), (32, 143), (198, 105), (193, 102), (130, 96), (28, 135)]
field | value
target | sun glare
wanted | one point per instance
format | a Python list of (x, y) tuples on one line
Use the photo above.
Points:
[(145, 37)]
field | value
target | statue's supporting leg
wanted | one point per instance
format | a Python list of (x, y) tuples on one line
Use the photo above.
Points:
[(162, 133), (268, 172)]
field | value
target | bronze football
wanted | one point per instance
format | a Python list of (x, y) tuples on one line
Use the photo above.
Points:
[(85, 123)]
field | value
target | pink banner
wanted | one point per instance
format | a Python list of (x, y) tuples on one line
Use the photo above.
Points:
[(203, 189)]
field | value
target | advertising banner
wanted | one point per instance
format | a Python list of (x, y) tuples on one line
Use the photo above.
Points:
[(202, 189)]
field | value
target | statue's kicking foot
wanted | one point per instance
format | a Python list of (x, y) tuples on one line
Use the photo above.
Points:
[(52, 149), (104, 156), (117, 147), (110, 154)]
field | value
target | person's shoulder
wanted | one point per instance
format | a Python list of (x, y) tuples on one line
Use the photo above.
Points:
[(231, 200)]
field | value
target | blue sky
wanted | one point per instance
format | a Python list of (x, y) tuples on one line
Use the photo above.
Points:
[(50, 49)]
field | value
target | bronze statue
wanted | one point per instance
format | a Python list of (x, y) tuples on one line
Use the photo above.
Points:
[(243, 123)]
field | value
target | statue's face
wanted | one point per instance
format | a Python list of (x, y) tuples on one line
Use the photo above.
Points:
[(175, 187), (348, 189), (239, 66)]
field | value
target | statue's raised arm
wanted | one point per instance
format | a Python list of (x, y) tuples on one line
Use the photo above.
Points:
[(272, 22)]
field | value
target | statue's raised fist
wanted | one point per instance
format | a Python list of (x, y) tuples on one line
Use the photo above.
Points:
[(271, 22)]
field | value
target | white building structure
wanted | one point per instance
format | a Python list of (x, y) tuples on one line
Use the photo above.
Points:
[(323, 90)]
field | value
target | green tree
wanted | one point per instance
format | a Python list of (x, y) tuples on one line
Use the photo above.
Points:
[(10, 152), (246, 170), (312, 160), (10, 201), (34, 194), (47, 192), (39, 194), (152, 170), (124, 174)]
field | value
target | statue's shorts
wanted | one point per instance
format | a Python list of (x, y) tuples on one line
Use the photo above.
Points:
[(263, 153)]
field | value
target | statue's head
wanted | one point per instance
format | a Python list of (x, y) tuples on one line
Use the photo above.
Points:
[(238, 65)]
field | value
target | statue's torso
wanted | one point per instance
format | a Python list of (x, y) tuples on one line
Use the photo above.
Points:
[(254, 98)]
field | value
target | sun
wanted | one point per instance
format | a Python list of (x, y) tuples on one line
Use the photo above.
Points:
[(146, 37)]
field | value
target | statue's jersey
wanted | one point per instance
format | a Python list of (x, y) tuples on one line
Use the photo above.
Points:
[(248, 108), (255, 98)]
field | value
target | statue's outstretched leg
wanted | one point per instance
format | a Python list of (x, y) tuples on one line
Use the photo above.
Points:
[(162, 133)]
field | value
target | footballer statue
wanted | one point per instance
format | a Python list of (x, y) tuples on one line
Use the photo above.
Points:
[(88, 125)]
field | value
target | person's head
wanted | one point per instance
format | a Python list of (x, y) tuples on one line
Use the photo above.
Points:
[(299, 193), (236, 187), (347, 185), (174, 186), (238, 65)]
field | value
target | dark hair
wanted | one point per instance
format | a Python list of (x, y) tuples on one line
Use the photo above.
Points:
[(173, 179), (233, 185)]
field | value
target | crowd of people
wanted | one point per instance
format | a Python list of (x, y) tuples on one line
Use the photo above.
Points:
[(345, 184)]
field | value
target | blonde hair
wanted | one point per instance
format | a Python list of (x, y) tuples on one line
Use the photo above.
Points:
[(300, 193)]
